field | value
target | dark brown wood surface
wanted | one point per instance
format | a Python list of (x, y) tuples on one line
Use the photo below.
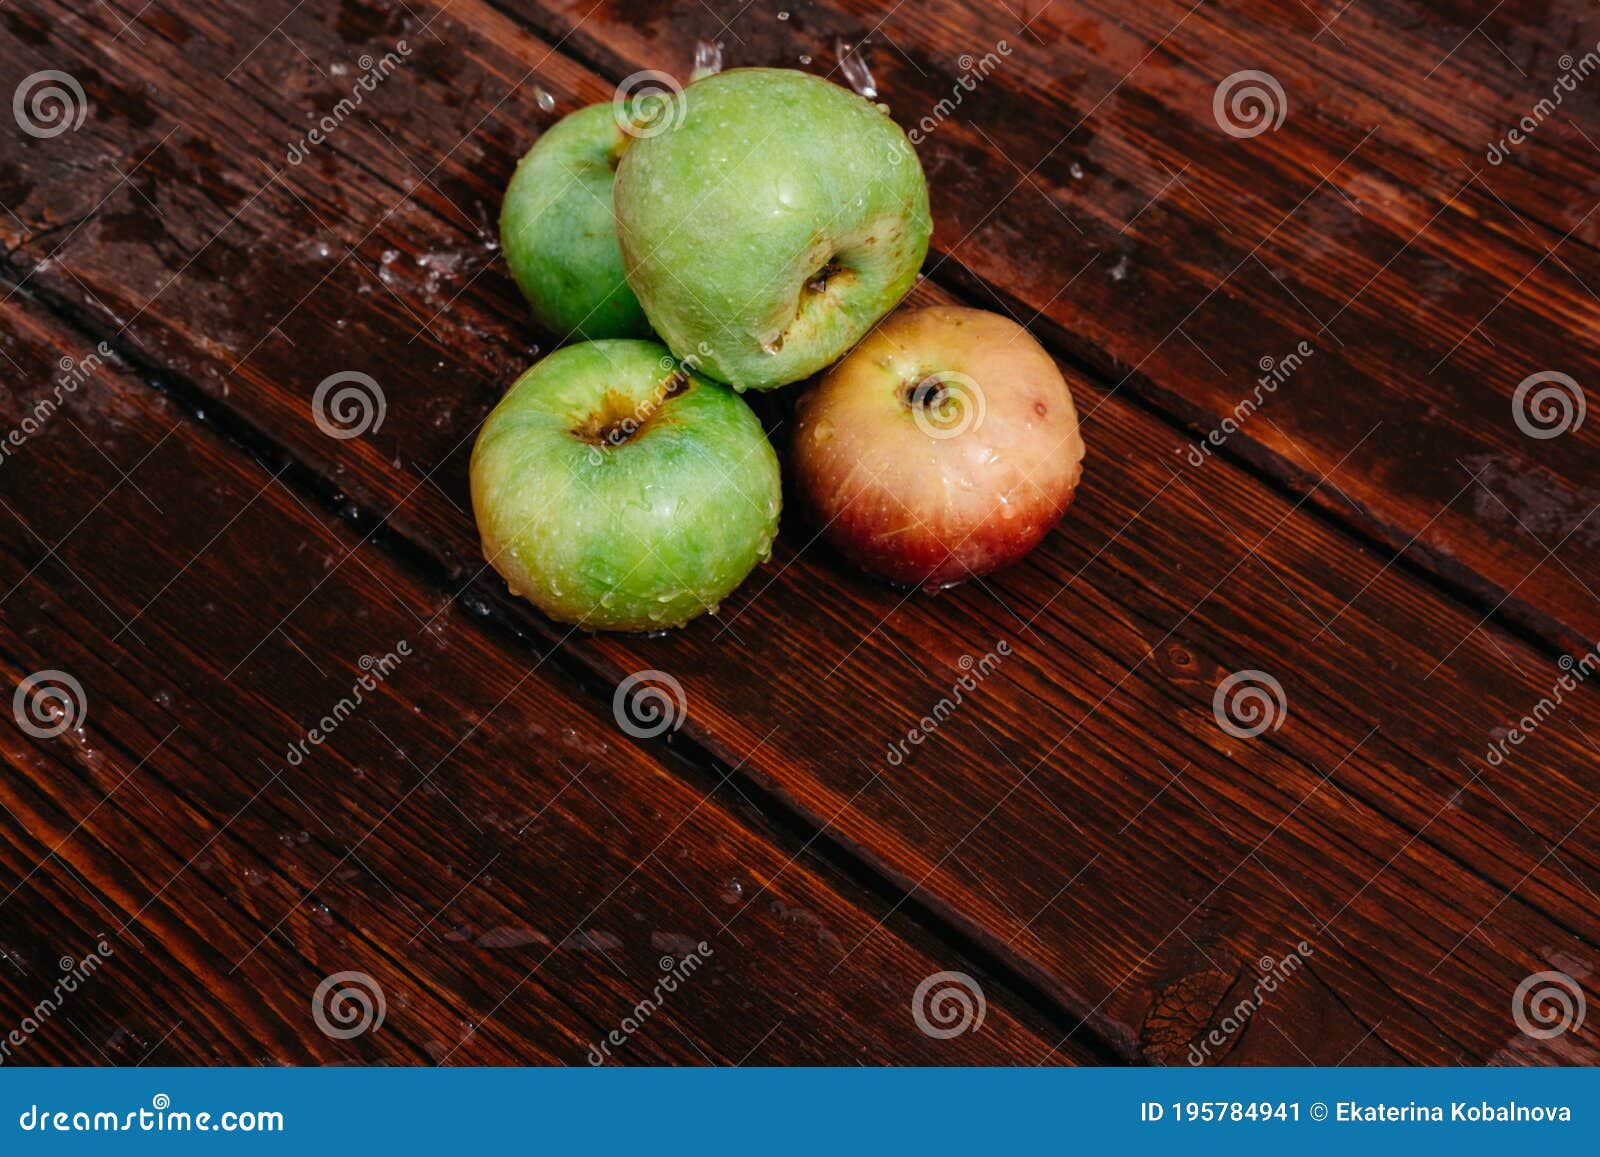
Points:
[(509, 867), (1082, 836)]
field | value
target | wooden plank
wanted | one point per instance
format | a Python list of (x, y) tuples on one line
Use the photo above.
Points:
[(512, 871), (1084, 816), (1083, 182)]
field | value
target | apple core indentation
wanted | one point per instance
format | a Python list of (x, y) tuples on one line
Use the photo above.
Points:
[(618, 418)]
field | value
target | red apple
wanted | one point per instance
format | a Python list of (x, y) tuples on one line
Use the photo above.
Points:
[(944, 446)]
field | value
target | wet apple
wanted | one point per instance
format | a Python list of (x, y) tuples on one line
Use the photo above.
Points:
[(558, 234), (617, 489), (771, 224), (945, 445)]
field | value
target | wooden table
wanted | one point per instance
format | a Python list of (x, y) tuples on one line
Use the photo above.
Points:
[(1389, 542)]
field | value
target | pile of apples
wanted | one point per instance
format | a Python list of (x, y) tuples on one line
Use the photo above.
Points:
[(747, 233)]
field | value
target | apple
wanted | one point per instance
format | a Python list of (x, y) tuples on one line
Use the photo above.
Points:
[(617, 489), (946, 445), (771, 223), (558, 234)]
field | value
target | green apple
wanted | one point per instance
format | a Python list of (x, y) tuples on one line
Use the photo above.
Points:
[(558, 234), (618, 490), (771, 224)]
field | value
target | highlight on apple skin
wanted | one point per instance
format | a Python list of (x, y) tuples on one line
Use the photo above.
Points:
[(616, 489), (774, 221), (558, 233), (945, 445)]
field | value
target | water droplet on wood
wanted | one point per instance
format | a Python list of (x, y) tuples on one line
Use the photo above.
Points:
[(707, 60), (853, 63)]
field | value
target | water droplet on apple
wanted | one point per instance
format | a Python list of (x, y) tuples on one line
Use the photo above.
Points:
[(543, 99), (805, 58), (1075, 171)]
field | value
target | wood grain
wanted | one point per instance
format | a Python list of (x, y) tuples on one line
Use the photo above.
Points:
[(1083, 183), (1083, 817), (512, 870)]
